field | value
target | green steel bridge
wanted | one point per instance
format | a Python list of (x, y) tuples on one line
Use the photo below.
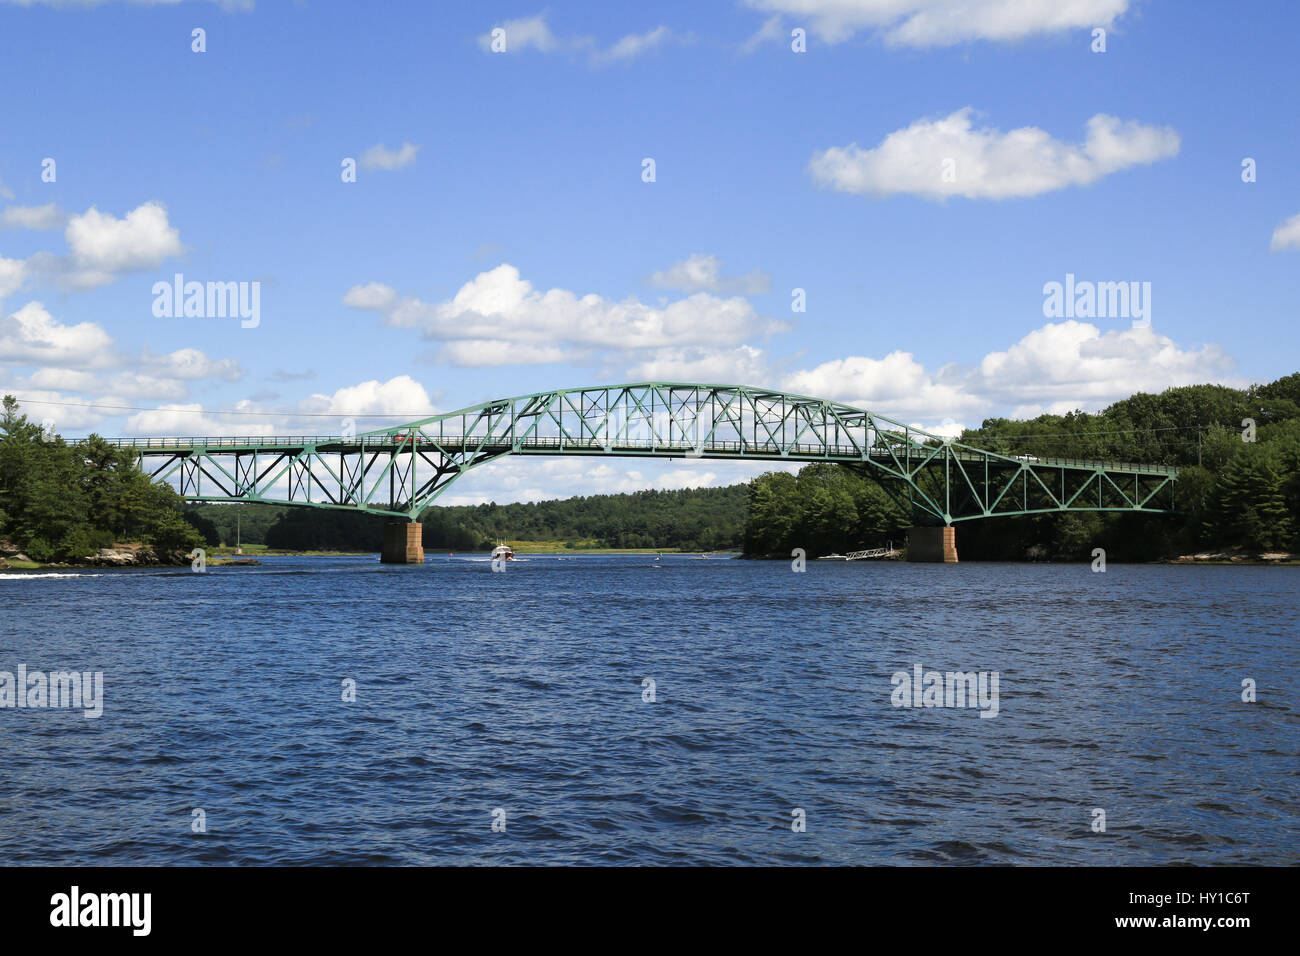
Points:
[(399, 471)]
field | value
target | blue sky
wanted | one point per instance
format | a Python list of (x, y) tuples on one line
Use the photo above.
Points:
[(513, 246)]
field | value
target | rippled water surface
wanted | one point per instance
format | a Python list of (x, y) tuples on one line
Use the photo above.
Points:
[(523, 691)]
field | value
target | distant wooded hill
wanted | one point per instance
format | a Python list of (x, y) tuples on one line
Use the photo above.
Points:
[(701, 519)]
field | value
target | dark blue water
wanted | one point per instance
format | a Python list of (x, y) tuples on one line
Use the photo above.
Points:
[(523, 691)]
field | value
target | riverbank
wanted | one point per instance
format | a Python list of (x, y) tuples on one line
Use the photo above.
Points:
[(134, 555), (1236, 557), (1220, 557), (522, 548), (258, 551), (120, 555)]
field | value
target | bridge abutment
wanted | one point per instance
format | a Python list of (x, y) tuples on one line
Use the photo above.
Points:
[(403, 543), (932, 543)]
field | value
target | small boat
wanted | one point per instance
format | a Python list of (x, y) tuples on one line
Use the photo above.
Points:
[(502, 552), (832, 557)]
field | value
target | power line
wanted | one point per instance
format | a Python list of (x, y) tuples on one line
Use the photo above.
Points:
[(1075, 436), (204, 411)]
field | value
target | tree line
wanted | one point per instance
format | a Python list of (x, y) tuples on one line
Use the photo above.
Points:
[(1238, 451), (63, 502), (702, 519)]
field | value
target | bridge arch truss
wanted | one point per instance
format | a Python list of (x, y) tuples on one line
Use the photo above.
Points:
[(401, 470)]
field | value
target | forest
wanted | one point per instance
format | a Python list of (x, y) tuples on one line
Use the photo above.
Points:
[(1238, 487), (1238, 451), (702, 519), (62, 502)]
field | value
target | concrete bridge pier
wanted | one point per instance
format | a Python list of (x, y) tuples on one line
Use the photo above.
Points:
[(932, 543), (403, 543)]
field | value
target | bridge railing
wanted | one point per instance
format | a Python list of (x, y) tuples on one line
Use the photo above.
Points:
[(228, 441), (543, 443)]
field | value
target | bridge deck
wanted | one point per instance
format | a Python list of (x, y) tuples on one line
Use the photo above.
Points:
[(400, 470), (771, 451)]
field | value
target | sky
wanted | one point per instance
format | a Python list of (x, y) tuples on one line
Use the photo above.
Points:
[(433, 205)]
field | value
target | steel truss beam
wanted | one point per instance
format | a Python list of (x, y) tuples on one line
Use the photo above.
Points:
[(400, 470)]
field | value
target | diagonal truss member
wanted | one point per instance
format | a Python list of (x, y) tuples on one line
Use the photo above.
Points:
[(401, 470)]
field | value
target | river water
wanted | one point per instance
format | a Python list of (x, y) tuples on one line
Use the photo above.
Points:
[(521, 699)]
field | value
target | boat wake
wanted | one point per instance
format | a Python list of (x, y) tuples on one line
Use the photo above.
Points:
[(29, 575)]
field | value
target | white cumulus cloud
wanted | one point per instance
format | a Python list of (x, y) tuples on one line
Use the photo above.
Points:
[(896, 385), (1285, 236), (923, 23), (84, 358), (938, 158), (1057, 367), (1075, 362), (401, 397), (502, 319), (31, 336), (102, 248)]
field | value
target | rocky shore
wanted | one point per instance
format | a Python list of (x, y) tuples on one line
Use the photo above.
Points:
[(1236, 557), (118, 556)]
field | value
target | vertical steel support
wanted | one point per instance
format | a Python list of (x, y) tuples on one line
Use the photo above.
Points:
[(947, 483)]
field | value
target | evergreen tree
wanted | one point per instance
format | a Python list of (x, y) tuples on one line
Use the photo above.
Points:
[(61, 501)]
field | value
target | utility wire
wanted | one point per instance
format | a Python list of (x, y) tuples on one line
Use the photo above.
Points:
[(1074, 436), (205, 411)]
